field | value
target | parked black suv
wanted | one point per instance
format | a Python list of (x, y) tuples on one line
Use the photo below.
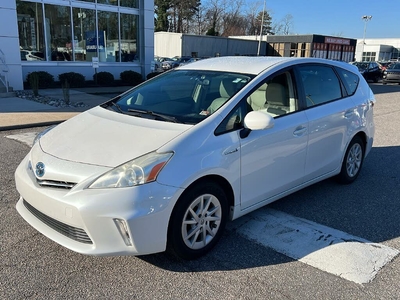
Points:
[(370, 70)]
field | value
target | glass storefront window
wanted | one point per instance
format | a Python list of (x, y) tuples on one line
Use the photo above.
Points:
[(109, 2), (30, 31), (108, 36), (129, 33), (129, 3), (84, 29), (58, 24), (49, 35)]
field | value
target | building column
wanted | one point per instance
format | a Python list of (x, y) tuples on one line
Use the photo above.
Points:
[(146, 29), (9, 43)]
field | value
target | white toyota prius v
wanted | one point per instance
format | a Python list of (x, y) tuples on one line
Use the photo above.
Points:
[(165, 165)]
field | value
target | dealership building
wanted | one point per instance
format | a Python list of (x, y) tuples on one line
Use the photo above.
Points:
[(83, 36)]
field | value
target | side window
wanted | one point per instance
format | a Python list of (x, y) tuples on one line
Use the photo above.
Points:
[(349, 79), (234, 120), (320, 84), (275, 95)]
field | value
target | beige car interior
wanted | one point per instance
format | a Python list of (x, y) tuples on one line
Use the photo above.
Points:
[(276, 96)]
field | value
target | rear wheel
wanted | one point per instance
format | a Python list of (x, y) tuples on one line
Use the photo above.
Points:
[(197, 221), (353, 161)]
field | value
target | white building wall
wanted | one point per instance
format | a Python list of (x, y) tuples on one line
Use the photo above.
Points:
[(167, 44), (380, 46), (9, 42), (170, 44)]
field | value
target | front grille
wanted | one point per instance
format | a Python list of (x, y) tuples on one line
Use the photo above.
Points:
[(56, 184), (52, 183), (74, 233)]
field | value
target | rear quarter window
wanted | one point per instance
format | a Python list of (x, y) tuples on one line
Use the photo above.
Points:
[(349, 79)]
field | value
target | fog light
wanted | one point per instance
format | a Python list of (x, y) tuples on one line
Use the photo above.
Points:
[(124, 231)]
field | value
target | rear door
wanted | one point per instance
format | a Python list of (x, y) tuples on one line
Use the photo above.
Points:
[(330, 116)]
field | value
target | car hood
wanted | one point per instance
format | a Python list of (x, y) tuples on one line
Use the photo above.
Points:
[(106, 138)]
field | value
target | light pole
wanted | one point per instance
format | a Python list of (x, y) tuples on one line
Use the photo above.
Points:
[(261, 30), (365, 19)]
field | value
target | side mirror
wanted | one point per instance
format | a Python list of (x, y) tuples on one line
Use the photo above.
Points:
[(256, 120)]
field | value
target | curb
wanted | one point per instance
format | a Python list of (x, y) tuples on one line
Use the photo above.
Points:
[(24, 126)]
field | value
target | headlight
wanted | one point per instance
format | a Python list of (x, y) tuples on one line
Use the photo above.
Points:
[(40, 134), (141, 170)]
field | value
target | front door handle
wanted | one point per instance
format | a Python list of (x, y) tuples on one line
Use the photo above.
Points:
[(299, 131)]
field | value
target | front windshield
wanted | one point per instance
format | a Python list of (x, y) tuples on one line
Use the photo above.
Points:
[(394, 66), (184, 96)]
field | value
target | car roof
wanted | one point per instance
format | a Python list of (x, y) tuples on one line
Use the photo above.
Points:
[(250, 64)]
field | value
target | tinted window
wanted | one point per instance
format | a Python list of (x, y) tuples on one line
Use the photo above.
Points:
[(350, 80), (320, 84), (394, 66)]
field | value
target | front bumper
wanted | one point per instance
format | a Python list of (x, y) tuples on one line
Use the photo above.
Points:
[(84, 220)]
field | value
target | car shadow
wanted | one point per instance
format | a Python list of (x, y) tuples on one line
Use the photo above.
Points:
[(368, 208), (379, 88)]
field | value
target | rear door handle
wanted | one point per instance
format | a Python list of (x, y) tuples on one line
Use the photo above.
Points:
[(348, 114)]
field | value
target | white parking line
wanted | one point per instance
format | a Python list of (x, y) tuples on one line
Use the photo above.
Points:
[(322, 247), (26, 137)]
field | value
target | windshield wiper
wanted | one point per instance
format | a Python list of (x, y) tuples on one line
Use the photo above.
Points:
[(152, 113), (114, 104)]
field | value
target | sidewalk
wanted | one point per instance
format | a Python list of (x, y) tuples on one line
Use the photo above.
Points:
[(16, 113)]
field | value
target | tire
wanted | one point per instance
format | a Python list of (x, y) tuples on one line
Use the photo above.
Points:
[(353, 161), (197, 221)]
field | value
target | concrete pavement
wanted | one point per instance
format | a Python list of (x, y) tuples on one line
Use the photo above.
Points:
[(18, 112)]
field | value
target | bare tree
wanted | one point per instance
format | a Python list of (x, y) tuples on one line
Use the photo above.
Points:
[(199, 24), (253, 26), (215, 17), (181, 14), (284, 26)]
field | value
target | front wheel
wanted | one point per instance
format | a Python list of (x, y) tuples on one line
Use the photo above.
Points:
[(197, 221), (352, 161)]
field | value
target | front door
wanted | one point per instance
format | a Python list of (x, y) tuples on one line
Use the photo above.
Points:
[(273, 160)]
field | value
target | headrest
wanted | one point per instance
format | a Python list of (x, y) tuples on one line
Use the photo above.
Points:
[(227, 88), (276, 94)]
